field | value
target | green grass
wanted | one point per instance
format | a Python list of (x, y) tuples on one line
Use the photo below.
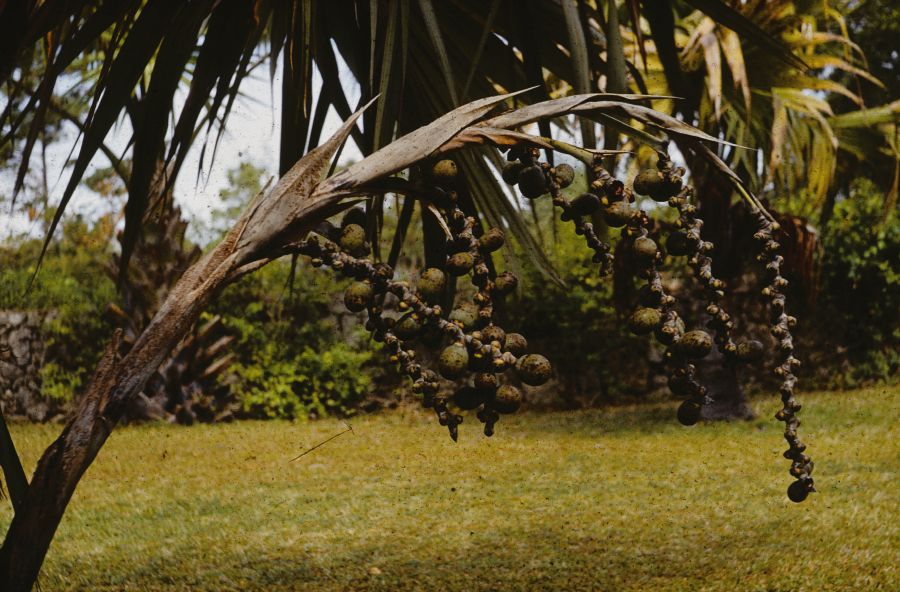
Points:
[(618, 499)]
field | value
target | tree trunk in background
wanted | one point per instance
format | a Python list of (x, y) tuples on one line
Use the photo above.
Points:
[(721, 379)]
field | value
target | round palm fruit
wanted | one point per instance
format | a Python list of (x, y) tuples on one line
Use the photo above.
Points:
[(515, 344), (649, 297), (511, 172), (465, 315), (654, 184), (644, 248), (533, 369), (666, 332), (532, 182), (798, 491), (407, 328), (354, 216), (491, 240), (681, 386), (493, 333), (618, 214), (695, 344), (564, 175), (357, 296), (432, 283), (749, 351), (688, 413), (585, 204), (431, 336), (505, 283), (468, 398), (644, 321), (353, 239), (460, 263), (444, 170), (508, 399), (485, 381), (677, 243), (454, 361)]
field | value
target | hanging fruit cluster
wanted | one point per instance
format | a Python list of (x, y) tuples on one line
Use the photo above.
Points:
[(475, 352)]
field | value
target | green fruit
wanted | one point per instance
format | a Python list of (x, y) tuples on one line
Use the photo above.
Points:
[(508, 399), (358, 296), (485, 381), (466, 316), (353, 240), (454, 361), (798, 491), (533, 369), (515, 344), (749, 351), (511, 172), (654, 184), (444, 170), (505, 283), (431, 284), (491, 240), (460, 263), (468, 398), (688, 413), (677, 244), (407, 328), (644, 321), (584, 205), (694, 344), (618, 214), (532, 182), (493, 333), (644, 248), (354, 216), (564, 175)]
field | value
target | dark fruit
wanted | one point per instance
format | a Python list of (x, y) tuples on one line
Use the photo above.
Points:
[(508, 399), (354, 216), (681, 386), (618, 214), (466, 315), (644, 248), (353, 240), (468, 398), (798, 491), (358, 296), (644, 321), (460, 263), (432, 283), (688, 413), (505, 283), (493, 333), (444, 170), (454, 361), (749, 351), (649, 297), (533, 369), (407, 328), (657, 186), (677, 244), (515, 344), (485, 381), (491, 240), (564, 175), (532, 182), (694, 344), (584, 205), (511, 172)]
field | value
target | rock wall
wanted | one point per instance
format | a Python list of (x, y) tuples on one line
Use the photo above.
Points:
[(21, 356)]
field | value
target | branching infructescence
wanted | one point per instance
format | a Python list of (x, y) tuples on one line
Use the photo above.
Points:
[(801, 464)]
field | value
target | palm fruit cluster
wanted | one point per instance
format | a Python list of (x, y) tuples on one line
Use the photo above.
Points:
[(801, 464)]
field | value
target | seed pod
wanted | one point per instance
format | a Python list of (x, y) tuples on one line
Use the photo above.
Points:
[(688, 413), (677, 244), (444, 171), (485, 381), (454, 361), (564, 175), (354, 216), (798, 491), (431, 284), (533, 369), (694, 344), (468, 398), (532, 182), (493, 333), (749, 351), (408, 327), (508, 399), (681, 386), (511, 172), (515, 344), (491, 240), (466, 315), (644, 321), (618, 213), (353, 240), (357, 296), (649, 297), (585, 204), (460, 263), (644, 248), (657, 186), (505, 283)]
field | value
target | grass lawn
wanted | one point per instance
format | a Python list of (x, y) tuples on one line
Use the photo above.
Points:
[(617, 499)]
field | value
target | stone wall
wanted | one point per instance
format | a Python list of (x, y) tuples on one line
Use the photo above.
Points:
[(21, 356)]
